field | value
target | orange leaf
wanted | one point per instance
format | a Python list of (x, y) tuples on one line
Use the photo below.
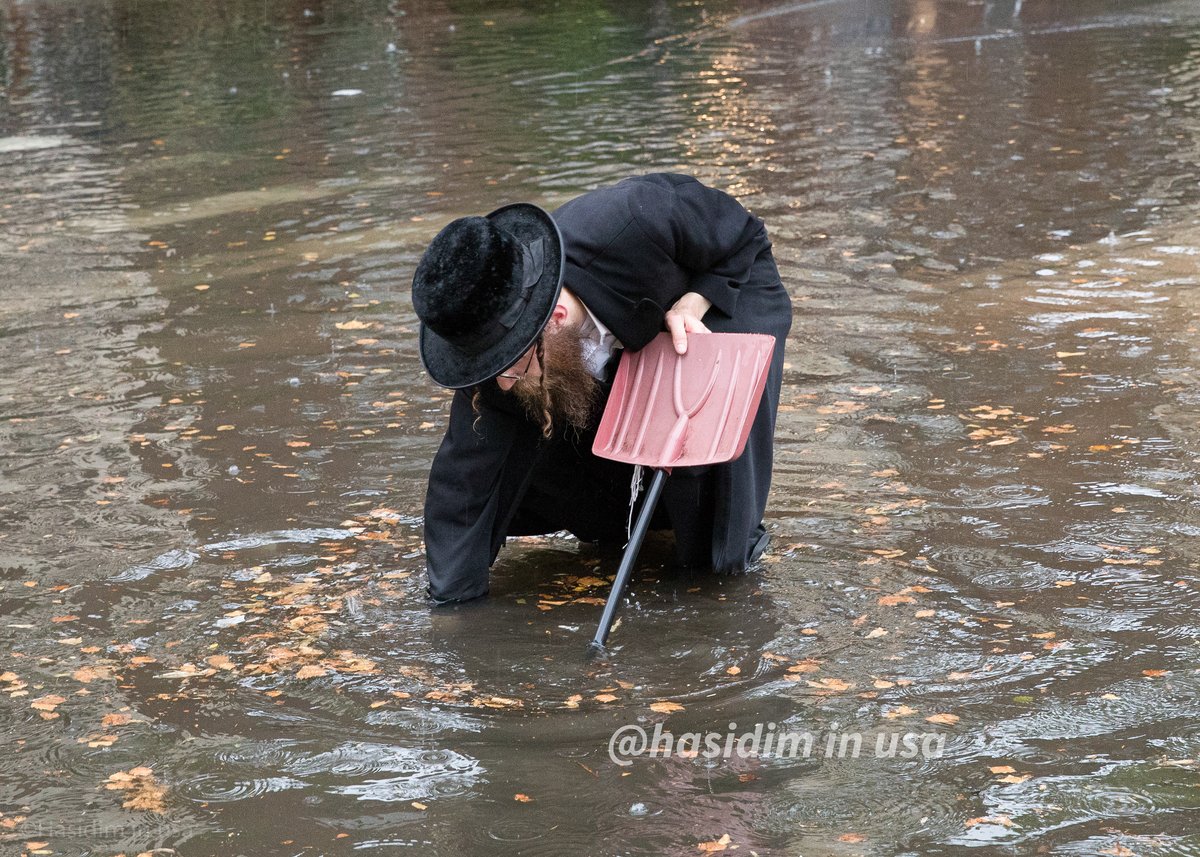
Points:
[(805, 666), (666, 707), (831, 684), (715, 845), (47, 703)]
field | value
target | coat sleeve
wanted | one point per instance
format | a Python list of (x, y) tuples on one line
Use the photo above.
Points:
[(463, 518), (706, 231)]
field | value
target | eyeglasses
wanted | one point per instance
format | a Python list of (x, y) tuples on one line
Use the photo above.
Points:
[(512, 376)]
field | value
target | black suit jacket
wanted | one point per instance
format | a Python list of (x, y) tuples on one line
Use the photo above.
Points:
[(632, 250), (635, 248)]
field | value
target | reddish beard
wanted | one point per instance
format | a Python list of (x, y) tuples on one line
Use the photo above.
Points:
[(566, 392)]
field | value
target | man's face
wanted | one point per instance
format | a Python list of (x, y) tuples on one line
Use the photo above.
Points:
[(525, 366), (559, 387)]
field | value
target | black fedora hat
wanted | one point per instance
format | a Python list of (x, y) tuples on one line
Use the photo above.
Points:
[(484, 289)]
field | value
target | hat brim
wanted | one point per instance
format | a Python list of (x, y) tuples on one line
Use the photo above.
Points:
[(455, 368)]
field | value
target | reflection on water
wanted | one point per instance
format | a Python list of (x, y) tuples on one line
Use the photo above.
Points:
[(214, 429)]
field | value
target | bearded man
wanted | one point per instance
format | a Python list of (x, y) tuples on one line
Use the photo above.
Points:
[(525, 315)]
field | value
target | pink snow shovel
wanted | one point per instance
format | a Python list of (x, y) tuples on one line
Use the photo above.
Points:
[(670, 410)]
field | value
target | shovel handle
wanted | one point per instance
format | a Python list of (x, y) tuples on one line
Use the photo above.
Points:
[(627, 560)]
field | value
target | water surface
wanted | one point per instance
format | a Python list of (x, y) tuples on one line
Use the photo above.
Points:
[(215, 431)]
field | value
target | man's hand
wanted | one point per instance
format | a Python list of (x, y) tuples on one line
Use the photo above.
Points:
[(684, 318)]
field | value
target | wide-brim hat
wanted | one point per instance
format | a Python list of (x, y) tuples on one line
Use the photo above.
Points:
[(484, 290)]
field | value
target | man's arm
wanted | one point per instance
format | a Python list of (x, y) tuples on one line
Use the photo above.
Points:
[(463, 499), (706, 231)]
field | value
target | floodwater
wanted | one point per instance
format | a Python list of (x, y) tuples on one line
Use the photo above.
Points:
[(215, 431)]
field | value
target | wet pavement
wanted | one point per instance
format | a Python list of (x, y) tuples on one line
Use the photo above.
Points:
[(215, 431)]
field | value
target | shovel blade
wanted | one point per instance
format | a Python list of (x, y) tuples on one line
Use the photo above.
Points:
[(671, 410)]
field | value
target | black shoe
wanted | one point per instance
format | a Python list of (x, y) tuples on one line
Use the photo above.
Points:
[(759, 547)]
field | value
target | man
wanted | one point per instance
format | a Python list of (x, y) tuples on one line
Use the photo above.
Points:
[(525, 314)]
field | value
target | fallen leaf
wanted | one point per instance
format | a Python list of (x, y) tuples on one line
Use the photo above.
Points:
[(1002, 820), (142, 791), (805, 666), (47, 703), (716, 844), (831, 684), (945, 719), (1015, 778), (89, 674), (94, 741)]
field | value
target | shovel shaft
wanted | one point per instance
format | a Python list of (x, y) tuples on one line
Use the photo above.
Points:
[(630, 556)]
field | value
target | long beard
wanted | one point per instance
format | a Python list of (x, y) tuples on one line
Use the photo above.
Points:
[(566, 393)]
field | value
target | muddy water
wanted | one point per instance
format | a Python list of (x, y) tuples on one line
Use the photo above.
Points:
[(214, 431)]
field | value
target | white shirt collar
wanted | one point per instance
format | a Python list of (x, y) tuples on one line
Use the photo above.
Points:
[(598, 343)]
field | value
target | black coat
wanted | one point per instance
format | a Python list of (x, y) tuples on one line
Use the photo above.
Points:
[(632, 250)]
